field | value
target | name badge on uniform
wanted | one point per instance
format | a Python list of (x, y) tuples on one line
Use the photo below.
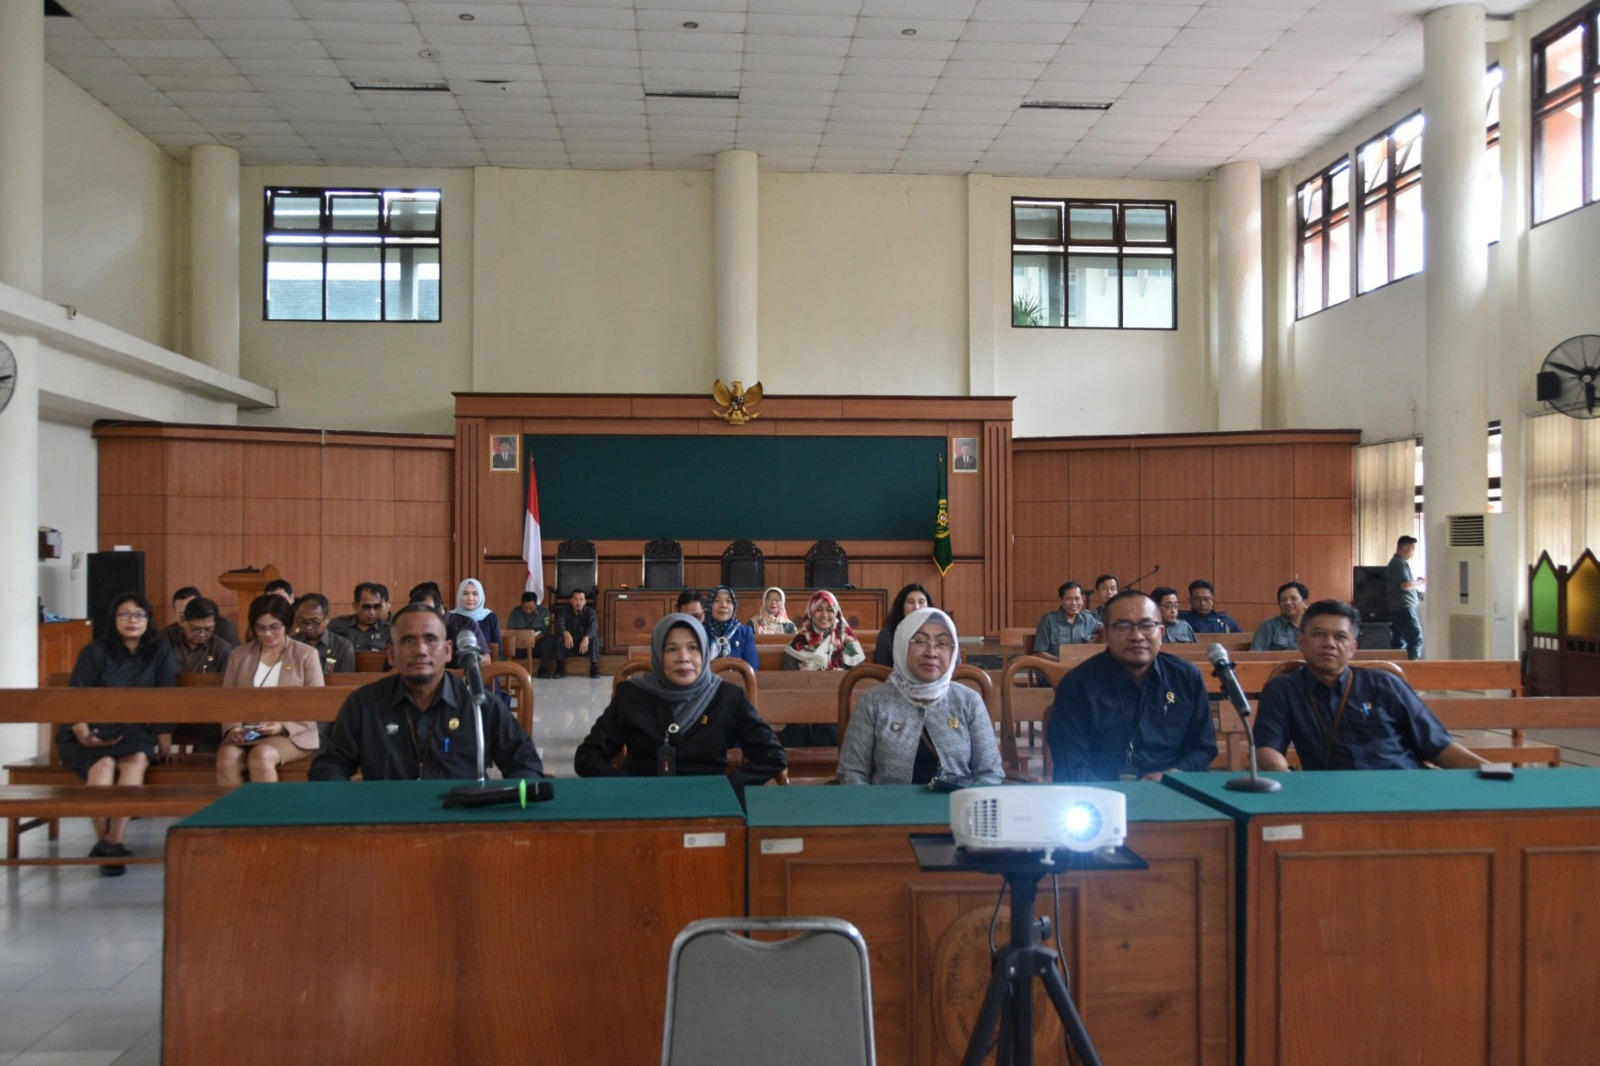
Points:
[(391, 729), (895, 727), (455, 723), (1128, 777), (955, 723)]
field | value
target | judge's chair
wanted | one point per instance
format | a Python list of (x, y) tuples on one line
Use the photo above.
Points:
[(577, 568), (663, 564), (793, 1002), (827, 566), (744, 566)]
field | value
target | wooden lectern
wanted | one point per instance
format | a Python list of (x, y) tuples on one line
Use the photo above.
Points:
[(247, 584)]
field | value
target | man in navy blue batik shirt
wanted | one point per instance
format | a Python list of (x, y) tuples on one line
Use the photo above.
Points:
[(1202, 614)]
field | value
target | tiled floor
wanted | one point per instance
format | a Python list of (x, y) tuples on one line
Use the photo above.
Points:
[(80, 954)]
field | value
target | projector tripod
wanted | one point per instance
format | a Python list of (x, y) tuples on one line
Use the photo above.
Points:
[(1007, 1009)]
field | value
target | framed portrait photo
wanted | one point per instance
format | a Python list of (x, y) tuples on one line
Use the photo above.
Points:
[(504, 455), (965, 450)]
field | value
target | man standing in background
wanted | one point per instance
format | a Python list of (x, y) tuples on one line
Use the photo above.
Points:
[(1404, 591)]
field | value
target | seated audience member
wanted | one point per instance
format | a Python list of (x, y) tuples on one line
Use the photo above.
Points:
[(680, 718), (1105, 587), (128, 654), (824, 641), (1176, 630), (417, 722), (908, 600), (470, 603), (198, 649), (180, 603), (918, 724), (726, 636), (1282, 631), (576, 632), (428, 595), (531, 614), (335, 654), (691, 603), (279, 587), (1343, 717), (774, 617), (1067, 624), (270, 660), (368, 628), (1131, 712), (1202, 615)]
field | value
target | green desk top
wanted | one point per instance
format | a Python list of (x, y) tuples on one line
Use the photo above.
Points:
[(318, 803), (859, 805), (1398, 791)]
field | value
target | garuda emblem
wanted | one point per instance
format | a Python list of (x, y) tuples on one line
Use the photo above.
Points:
[(736, 401)]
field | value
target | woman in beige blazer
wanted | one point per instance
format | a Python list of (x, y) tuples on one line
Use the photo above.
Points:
[(271, 659)]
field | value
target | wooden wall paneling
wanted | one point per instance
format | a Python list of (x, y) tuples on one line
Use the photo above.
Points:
[(203, 468), (1039, 564), (356, 517), (423, 518), (131, 467), (1042, 518), (1253, 516), (961, 596), (789, 574), (1326, 565), (358, 473), (424, 474), (1175, 473), (419, 559), (1175, 517), (1103, 518), (286, 471), (1182, 560), (1041, 476), (1252, 470), (298, 557), (1090, 557), (1099, 475), (1560, 962), (130, 516), (502, 584), (1325, 515), (277, 516), (1249, 569), (222, 515), (349, 560), (876, 575), (1325, 470)]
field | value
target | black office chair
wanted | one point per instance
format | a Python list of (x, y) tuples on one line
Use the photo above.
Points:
[(577, 567), (744, 566), (663, 564), (827, 566)]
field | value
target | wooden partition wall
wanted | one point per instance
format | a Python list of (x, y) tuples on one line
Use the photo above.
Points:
[(1246, 511), (490, 503), (329, 509)]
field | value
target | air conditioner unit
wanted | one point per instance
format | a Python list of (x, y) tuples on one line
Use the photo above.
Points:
[(1479, 600)]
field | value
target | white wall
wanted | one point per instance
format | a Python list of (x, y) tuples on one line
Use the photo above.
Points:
[(68, 501)]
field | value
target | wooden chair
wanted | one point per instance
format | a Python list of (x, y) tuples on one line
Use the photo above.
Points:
[(515, 640), (827, 565), (662, 564), (1018, 637), (577, 568), (744, 565), (372, 662), (1015, 697), (515, 687)]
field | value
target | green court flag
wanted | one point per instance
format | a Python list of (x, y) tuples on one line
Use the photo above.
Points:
[(943, 556)]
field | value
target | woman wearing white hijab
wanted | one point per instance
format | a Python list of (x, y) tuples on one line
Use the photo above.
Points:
[(470, 604), (917, 724), (680, 719)]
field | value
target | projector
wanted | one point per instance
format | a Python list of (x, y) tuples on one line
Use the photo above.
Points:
[(1039, 817)]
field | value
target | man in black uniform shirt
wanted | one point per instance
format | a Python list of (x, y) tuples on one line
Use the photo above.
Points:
[(367, 629), (336, 654), (197, 648), (417, 722)]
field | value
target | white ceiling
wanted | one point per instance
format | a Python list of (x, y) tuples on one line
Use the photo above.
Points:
[(824, 85)]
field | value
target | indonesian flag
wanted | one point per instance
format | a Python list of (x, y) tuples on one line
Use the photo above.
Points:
[(532, 545)]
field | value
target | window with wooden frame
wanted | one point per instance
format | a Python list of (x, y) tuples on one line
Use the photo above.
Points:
[(351, 255), (1389, 174), (1094, 264), (1323, 209), (1565, 74)]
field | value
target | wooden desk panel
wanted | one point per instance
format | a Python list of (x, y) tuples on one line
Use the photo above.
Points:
[(1149, 954), (628, 615)]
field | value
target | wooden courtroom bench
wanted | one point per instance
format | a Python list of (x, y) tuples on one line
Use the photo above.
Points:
[(25, 806)]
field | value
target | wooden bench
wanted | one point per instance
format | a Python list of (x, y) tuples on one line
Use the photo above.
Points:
[(26, 806), (769, 652)]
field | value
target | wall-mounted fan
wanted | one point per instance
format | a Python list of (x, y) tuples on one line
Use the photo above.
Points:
[(1567, 381)]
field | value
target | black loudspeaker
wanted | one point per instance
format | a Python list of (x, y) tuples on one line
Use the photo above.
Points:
[(110, 575), (1371, 599), (1374, 636)]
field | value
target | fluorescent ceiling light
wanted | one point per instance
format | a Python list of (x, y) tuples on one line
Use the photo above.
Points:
[(383, 85), (695, 94), (1068, 105)]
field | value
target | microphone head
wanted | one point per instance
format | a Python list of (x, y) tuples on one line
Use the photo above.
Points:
[(1218, 655), (467, 641)]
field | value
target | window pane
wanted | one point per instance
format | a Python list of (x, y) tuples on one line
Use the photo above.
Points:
[(1408, 232), (1338, 263), (1311, 200), (1092, 291), (1146, 225), (411, 214), (355, 213), (411, 283), (294, 281), (1559, 146), (1339, 191), (1037, 222), (353, 283), (1408, 145), (296, 212), (1492, 81), (1563, 59), (1146, 292), (1311, 276), (1090, 223), (1375, 246), (1038, 296), (1374, 164)]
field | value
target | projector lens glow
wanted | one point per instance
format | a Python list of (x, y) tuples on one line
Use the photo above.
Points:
[(1082, 821)]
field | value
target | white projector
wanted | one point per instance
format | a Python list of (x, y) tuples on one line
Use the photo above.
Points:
[(1039, 817)]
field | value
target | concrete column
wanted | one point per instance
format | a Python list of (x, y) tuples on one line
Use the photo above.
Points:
[(736, 215), (1239, 306), (21, 266), (214, 255), (1455, 281)]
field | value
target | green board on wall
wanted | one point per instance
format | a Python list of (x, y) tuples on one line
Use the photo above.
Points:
[(615, 487)]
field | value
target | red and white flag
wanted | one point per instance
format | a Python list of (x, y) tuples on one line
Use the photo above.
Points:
[(532, 545)]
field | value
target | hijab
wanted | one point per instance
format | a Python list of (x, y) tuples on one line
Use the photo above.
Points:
[(915, 689), (478, 613), (720, 634), (768, 621), (832, 649), (689, 701)]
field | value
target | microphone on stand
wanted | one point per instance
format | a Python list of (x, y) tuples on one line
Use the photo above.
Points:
[(1222, 670), (483, 794), (1135, 582)]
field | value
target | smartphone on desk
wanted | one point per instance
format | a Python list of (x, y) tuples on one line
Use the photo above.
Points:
[(1496, 771)]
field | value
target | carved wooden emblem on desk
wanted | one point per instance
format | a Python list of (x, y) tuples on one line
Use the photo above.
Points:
[(961, 966), (737, 402)]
